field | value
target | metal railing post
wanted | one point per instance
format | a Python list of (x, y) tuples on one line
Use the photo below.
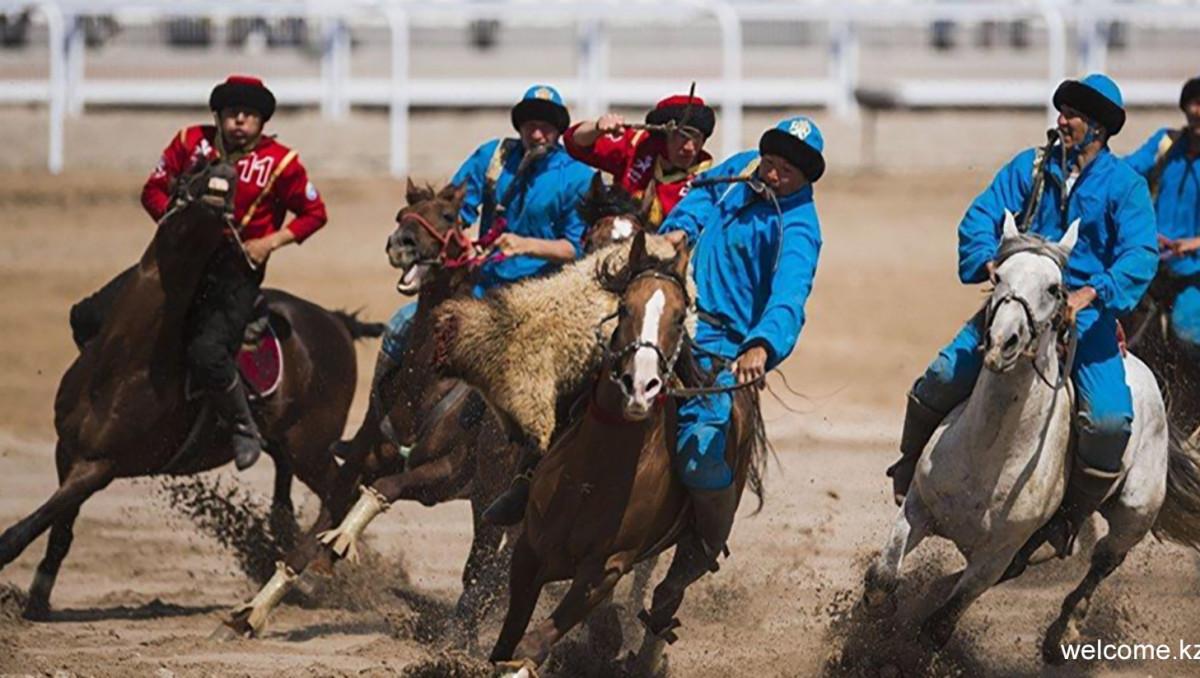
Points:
[(399, 100)]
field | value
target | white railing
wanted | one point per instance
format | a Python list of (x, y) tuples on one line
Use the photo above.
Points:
[(66, 91)]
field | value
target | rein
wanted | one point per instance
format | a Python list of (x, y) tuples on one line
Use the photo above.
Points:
[(1055, 322), (665, 364), (454, 236)]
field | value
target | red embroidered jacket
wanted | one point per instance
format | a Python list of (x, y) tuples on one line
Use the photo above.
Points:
[(270, 167)]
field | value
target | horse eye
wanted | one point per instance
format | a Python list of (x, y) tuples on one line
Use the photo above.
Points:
[(448, 216), (1054, 289)]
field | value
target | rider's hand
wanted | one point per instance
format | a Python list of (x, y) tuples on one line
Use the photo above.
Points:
[(751, 365), (610, 123), (1185, 246), (1079, 300), (1164, 243), (258, 250), (511, 245), (676, 238)]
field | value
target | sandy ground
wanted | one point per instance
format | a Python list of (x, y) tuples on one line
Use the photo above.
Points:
[(142, 587)]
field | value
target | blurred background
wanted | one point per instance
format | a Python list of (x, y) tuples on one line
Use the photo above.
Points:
[(367, 83)]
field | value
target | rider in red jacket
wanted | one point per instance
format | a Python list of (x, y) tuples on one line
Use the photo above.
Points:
[(656, 167), (271, 183)]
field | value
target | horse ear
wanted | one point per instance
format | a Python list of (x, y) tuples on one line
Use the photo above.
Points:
[(637, 252), (1070, 237), (597, 187), (453, 193), (412, 193), (1010, 226)]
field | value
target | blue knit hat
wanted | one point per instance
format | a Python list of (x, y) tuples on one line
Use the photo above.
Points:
[(1097, 97), (797, 140), (541, 102)]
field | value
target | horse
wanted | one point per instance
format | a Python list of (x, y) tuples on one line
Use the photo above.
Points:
[(1149, 333), (996, 470), (121, 409), (612, 214), (443, 443), (604, 497)]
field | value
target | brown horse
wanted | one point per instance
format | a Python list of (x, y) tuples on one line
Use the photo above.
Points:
[(121, 411), (605, 497), (441, 442), (612, 215), (1149, 335)]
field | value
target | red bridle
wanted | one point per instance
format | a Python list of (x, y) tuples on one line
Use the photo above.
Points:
[(454, 236)]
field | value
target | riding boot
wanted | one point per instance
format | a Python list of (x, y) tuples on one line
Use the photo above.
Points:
[(380, 403), (714, 511), (920, 422), (1086, 490), (235, 410), (509, 508)]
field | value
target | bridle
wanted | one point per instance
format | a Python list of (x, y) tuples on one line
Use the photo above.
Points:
[(1056, 323), (453, 236), (612, 358)]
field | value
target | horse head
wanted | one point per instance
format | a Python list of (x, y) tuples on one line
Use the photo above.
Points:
[(208, 185), (428, 234), (611, 213), (651, 327), (1029, 296)]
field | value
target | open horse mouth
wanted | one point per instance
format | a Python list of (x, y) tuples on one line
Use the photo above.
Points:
[(410, 283)]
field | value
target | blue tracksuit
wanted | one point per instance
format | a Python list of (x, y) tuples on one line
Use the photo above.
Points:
[(1116, 254), (543, 207), (1177, 207), (753, 276)]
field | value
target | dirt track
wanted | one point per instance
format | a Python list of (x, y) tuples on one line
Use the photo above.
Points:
[(142, 588)]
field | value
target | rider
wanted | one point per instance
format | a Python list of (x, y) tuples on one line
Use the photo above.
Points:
[(1168, 162), (1075, 177), (656, 167), (528, 210), (271, 183), (756, 238)]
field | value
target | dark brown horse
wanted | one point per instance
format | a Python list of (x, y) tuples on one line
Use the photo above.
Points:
[(612, 215), (605, 497), (1149, 335), (441, 443), (121, 411)]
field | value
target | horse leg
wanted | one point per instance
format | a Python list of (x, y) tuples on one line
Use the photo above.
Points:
[(590, 587), (283, 512), (482, 579), (1126, 527), (691, 562), (82, 480), (882, 578), (61, 535), (524, 589), (983, 571)]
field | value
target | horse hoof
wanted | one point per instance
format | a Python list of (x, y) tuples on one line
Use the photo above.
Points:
[(1059, 634), (226, 632), (516, 669), (36, 610)]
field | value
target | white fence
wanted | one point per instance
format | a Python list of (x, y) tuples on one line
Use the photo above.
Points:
[(66, 90)]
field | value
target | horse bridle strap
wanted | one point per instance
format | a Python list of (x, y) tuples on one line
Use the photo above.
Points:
[(667, 365), (454, 236)]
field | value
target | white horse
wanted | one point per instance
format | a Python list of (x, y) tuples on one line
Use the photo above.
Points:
[(996, 469)]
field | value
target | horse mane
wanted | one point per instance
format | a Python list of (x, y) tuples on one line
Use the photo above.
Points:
[(612, 201), (1031, 242)]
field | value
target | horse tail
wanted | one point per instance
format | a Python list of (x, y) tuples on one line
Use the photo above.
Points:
[(760, 448), (357, 328), (1179, 518)]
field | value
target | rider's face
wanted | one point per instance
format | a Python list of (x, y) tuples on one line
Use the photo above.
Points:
[(1073, 126), (1191, 109), (240, 126), (683, 147), (537, 133), (781, 175)]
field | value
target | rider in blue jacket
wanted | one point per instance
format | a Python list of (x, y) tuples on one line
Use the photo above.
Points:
[(754, 256), (1111, 266), (1168, 162)]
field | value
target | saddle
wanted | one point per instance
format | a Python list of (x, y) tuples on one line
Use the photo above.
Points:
[(259, 359)]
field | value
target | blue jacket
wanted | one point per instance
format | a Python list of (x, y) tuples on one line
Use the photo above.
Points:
[(1177, 204), (544, 208), (1117, 251), (750, 282)]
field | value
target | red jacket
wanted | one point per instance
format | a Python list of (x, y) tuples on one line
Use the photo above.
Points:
[(258, 171), (635, 159)]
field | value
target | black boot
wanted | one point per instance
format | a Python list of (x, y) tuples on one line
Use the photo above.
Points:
[(1086, 490), (235, 410), (509, 508), (382, 396), (919, 424), (714, 511)]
